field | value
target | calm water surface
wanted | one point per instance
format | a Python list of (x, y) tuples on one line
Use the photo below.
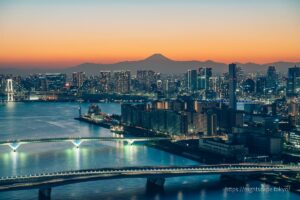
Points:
[(39, 120)]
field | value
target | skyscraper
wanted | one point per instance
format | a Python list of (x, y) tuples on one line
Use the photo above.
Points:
[(122, 81), (248, 86), (78, 79), (105, 81), (293, 82), (146, 79), (232, 86), (261, 85), (204, 74), (271, 80), (192, 80)]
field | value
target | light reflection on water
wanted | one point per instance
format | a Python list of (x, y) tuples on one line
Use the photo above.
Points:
[(56, 120), (14, 157)]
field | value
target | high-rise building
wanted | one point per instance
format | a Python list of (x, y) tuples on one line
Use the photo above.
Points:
[(232, 86), (164, 120), (248, 86), (261, 85), (271, 80), (191, 79), (204, 74), (293, 108), (146, 79), (105, 81), (53, 81), (293, 82), (121, 81), (78, 78), (214, 83), (211, 122)]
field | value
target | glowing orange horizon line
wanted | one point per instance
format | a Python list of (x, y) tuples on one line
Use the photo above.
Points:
[(78, 61)]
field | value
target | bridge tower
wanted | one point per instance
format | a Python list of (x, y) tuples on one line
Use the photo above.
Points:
[(9, 90), (45, 194), (155, 184)]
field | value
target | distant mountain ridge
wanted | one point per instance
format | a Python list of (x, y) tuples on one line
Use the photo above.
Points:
[(157, 63)]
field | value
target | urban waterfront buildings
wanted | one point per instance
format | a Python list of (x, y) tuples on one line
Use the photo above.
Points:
[(155, 117), (250, 110)]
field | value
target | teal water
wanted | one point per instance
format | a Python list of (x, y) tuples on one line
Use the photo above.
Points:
[(40, 120)]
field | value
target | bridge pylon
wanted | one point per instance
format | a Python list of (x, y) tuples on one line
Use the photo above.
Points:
[(9, 90), (130, 141), (14, 146), (155, 184), (77, 143), (45, 194)]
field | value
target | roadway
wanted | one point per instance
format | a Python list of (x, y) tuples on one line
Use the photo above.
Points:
[(49, 180), (14, 144)]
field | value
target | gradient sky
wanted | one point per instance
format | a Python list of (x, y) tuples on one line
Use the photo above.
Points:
[(58, 33)]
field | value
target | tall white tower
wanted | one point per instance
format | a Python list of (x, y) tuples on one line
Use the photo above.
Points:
[(9, 90)]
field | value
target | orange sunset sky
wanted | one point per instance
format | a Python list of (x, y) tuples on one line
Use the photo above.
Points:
[(61, 33)]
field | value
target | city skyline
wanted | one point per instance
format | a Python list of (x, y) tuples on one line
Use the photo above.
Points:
[(140, 99), (54, 34), (235, 117)]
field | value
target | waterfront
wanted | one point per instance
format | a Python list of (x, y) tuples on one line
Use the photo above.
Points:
[(29, 120)]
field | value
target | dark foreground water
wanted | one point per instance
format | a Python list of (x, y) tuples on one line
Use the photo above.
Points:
[(29, 120)]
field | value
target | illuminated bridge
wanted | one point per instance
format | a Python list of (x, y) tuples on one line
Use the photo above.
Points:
[(15, 144), (155, 175)]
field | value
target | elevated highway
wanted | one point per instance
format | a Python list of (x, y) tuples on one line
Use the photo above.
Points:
[(155, 175)]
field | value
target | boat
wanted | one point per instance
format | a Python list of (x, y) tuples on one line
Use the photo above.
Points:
[(96, 116), (117, 129)]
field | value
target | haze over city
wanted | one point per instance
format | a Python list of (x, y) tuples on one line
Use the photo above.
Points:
[(58, 34)]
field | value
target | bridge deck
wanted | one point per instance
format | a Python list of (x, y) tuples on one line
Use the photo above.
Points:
[(69, 177), (60, 139)]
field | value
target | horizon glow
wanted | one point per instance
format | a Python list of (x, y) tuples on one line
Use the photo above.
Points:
[(63, 33)]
